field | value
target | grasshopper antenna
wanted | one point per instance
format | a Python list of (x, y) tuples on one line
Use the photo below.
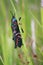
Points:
[(11, 13)]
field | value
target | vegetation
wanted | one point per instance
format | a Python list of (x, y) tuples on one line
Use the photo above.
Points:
[(28, 10)]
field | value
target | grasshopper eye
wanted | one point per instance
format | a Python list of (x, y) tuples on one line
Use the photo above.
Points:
[(14, 19)]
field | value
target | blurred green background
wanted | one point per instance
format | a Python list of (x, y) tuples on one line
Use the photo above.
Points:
[(28, 10)]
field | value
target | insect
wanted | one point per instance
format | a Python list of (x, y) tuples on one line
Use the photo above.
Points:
[(16, 32)]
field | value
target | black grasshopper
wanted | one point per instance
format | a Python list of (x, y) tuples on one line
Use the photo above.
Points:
[(16, 32)]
